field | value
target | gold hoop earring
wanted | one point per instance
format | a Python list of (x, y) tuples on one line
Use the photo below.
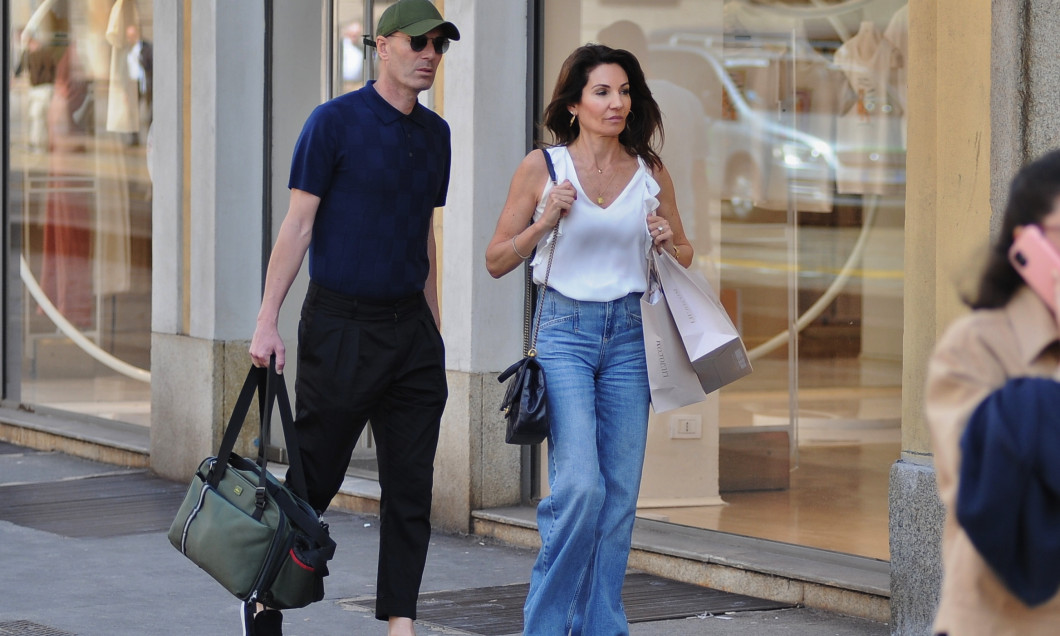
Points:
[(573, 116)]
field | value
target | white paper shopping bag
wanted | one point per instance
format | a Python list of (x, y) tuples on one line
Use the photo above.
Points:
[(711, 341), (672, 380)]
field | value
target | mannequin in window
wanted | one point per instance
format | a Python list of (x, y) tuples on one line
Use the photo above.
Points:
[(38, 61), (685, 151), (869, 130), (123, 99)]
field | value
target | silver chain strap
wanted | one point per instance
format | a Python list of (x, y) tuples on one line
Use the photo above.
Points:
[(532, 347)]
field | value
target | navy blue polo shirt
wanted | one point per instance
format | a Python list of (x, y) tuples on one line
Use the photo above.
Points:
[(379, 174)]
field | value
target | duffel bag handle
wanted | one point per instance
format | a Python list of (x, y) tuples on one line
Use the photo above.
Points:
[(296, 474), (235, 423), (271, 388), (259, 380)]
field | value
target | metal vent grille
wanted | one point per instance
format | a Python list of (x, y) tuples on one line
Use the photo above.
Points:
[(27, 628), (497, 611), (104, 506)]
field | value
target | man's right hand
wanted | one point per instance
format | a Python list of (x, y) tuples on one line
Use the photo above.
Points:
[(264, 344), (287, 255)]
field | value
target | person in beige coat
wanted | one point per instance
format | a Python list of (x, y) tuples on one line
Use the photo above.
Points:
[(1011, 334)]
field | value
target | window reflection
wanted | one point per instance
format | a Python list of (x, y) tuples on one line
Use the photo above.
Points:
[(80, 106), (352, 67)]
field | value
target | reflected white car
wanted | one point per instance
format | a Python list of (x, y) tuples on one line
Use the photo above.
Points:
[(769, 149)]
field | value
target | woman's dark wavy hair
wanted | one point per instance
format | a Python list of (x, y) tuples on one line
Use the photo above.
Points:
[(645, 122), (1032, 196)]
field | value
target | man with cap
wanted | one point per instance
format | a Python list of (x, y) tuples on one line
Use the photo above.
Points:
[(368, 170)]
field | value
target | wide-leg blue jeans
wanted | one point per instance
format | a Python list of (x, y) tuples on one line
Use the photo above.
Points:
[(597, 388)]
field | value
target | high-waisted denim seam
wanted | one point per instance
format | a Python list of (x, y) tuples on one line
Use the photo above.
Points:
[(634, 319), (552, 322), (552, 315)]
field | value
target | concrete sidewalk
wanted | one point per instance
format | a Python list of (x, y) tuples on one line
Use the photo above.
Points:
[(66, 571)]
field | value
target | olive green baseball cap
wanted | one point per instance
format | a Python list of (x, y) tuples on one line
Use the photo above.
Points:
[(414, 17)]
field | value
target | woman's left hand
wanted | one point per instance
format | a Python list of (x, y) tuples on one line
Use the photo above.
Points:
[(661, 234)]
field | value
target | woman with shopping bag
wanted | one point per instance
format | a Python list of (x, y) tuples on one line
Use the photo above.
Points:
[(613, 200)]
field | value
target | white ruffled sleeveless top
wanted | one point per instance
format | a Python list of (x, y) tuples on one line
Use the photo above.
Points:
[(601, 253)]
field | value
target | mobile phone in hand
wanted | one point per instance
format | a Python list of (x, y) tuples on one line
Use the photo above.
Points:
[(1038, 262)]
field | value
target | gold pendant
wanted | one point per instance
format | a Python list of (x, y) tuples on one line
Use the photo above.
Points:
[(599, 200)]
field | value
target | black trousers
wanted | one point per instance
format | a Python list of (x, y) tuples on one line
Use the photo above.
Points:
[(381, 361)]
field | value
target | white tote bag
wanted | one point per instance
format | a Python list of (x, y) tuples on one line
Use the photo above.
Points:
[(672, 380), (711, 341)]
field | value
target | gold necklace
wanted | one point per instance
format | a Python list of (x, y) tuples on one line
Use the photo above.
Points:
[(600, 198), (599, 170)]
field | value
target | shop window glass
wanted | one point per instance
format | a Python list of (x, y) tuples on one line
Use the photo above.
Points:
[(80, 206), (351, 67), (785, 135)]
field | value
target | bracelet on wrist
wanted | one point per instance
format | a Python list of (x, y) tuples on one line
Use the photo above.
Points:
[(677, 252), (517, 252)]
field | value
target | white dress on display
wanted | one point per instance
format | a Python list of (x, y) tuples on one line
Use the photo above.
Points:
[(123, 98), (868, 134)]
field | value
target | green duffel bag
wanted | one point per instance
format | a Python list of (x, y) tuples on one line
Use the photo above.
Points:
[(253, 535)]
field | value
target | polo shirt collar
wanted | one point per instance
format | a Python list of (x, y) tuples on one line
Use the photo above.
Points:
[(1037, 328), (386, 112)]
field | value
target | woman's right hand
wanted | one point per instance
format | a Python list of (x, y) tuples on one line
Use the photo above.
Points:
[(558, 203), (517, 231)]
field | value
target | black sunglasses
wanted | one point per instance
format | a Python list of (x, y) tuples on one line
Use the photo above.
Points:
[(419, 42)]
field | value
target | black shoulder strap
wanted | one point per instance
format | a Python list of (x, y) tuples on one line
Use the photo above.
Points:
[(551, 168)]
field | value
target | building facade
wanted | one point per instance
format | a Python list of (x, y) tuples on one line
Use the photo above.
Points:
[(838, 165)]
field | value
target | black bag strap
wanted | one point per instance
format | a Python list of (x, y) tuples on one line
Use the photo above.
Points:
[(270, 388), (235, 424), (296, 512), (296, 475)]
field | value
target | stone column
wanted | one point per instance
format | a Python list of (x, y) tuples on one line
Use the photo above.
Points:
[(947, 222), (207, 279), (486, 104)]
